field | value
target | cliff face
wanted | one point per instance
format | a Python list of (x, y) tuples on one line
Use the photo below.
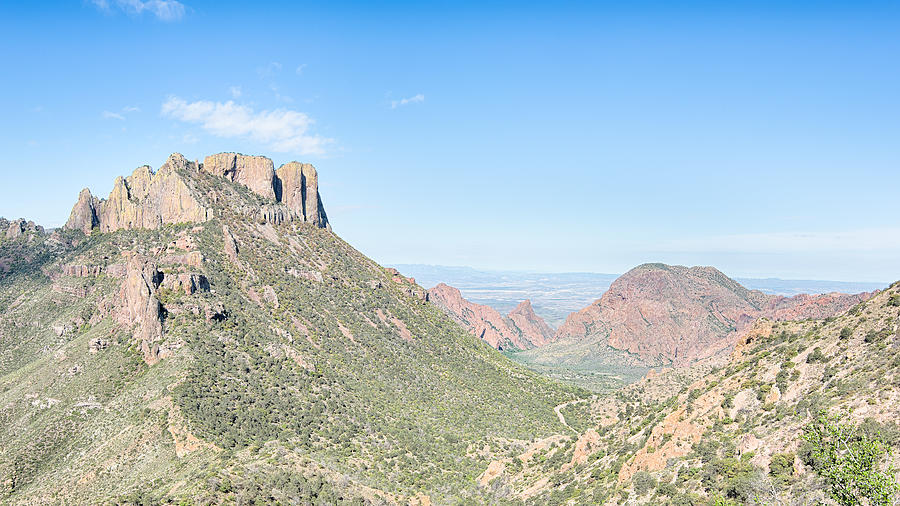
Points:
[(254, 172), (297, 185), (660, 314), (530, 324), (174, 194), (520, 329)]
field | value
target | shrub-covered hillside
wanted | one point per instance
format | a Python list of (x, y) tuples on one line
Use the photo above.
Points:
[(802, 412), (240, 359)]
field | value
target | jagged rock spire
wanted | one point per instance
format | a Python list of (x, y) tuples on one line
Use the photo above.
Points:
[(84, 214), (148, 200)]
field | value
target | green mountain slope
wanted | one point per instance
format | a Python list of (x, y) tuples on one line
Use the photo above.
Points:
[(242, 357)]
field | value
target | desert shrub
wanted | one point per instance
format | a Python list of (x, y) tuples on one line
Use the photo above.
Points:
[(643, 482), (848, 460), (728, 401), (887, 433), (846, 332), (667, 489), (815, 355), (874, 336), (781, 467)]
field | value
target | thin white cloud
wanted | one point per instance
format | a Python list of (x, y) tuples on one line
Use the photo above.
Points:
[(112, 115), (415, 99), (300, 68), (270, 70), (236, 91), (278, 96), (281, 130), (121, 114), (164, 10)]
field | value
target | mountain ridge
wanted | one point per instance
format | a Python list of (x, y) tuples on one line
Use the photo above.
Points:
[(658, 314), (520, 329), (148, 199), (243, 354)]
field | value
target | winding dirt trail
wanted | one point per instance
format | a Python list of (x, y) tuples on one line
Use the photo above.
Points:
[(558, 410)]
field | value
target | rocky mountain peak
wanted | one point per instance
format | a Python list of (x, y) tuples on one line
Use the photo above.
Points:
[(659, 314), (530, 324), (184, 191), (520, 329)]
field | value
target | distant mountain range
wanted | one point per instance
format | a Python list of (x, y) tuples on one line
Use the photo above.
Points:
[(556, 295)]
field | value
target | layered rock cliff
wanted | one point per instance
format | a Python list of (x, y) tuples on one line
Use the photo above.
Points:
[(658, 314), (520, 329), (175, 194)]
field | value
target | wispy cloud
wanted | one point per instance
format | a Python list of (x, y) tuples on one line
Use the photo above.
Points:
[(269, 70), (300, 68), (164, 10), (415, 99), (281, 130), (121, 114), (112, 115), (236, 91)]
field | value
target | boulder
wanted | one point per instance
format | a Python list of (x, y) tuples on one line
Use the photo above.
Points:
[(187, 282), (97, 344), (16, 229)]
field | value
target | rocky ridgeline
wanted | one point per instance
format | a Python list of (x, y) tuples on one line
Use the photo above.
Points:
[(174, 194), (18, 228), (521, 329)]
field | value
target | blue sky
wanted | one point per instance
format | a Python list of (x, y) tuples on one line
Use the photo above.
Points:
[(761, 138)]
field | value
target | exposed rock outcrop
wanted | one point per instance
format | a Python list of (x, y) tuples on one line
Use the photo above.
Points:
[(176, 193), (521, 329), (147, 200), (254, 172), (18, 228), (231, 245), (186, 282), (297, 186), (658, 314), (139, 306), (15, 229), (530, 324), (84, 214)]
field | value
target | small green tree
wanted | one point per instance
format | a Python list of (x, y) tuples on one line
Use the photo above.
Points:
[(643, 482), (849, 461)]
